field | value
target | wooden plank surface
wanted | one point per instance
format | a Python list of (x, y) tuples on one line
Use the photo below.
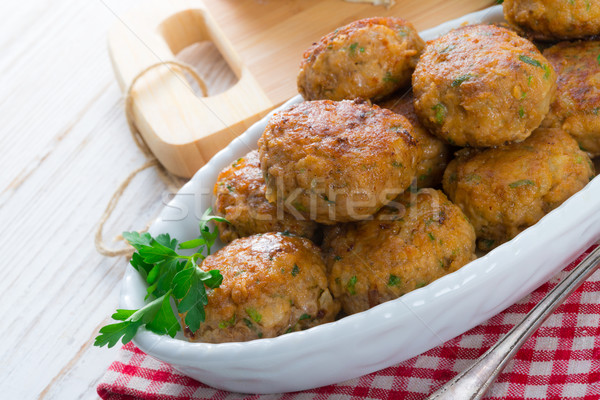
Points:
[(66, 147)]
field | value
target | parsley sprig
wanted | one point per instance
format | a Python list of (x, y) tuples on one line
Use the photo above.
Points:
[(170, 276)]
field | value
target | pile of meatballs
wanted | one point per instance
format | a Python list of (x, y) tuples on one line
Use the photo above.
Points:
[(403, 160)]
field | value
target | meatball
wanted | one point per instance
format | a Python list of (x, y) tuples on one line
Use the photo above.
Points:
[(369, 58), (240, 198), (505, 190), (576, 106), (422, 238), (482, 86), (272, 284), (436, 154), (337, 161), (554, 19)]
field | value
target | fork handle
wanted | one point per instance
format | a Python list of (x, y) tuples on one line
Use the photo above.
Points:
[(472, 383)]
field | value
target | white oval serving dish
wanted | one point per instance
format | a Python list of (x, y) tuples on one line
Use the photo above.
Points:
[(386, 334)]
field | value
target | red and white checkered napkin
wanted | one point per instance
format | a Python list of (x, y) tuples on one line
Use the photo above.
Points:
[(560, 361)]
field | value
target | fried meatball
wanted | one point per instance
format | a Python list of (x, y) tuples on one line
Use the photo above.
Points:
[(272, 284), (505, 190), (405, 247), (337, 161), (554, 19), (576, 106), (436, 154), (369, 58), (482, 86), (240, 199)]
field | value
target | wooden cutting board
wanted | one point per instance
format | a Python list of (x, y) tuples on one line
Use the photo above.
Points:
[(261, 43)]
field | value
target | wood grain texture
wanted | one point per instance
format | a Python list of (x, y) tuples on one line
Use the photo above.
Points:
[(66, 147)]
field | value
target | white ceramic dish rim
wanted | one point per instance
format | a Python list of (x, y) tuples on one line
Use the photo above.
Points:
[(403, 328)]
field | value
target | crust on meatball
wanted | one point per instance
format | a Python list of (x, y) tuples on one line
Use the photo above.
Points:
[(422, 238), (272, 284), (369, 58), (240, 199), (505, 190), (482, 86), (436, 154), (337, 161), (576, 106), (554, 19)]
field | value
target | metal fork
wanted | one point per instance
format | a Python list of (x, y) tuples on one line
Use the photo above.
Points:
[(472, 383)]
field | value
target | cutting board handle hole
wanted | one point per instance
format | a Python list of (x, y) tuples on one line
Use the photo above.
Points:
[(210, 65), (192, 40)]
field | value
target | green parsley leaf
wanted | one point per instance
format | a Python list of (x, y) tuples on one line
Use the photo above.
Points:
[(126, 330), (170, 276)]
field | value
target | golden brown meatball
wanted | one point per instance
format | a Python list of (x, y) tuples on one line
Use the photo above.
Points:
[(554, 19), (337, 161), (576, 106), (405, 247), (272, 284), (482, 86), (436, 154), (369, 58), (505, 190), (240, 199)]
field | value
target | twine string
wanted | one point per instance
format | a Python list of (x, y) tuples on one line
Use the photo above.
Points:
[(172, 182)]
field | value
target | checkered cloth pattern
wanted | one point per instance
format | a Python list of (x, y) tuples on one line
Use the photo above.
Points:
[(560, 361)]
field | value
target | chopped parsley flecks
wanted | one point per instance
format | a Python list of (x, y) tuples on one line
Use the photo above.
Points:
[(488, 243), (530, 61), (393, 280), (351, 285), (388, 77), (440, 113), (458, 81), (353, 47), (299, 207), (447, 49), (295, 270), (547, 71), (473, 178), (521, 182), (255, 315), (227, 323)]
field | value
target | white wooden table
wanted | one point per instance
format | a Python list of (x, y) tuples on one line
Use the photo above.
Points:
[(65, 148)]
